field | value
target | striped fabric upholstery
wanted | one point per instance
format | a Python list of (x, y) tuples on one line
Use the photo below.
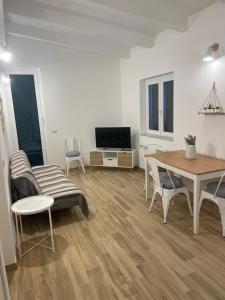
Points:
[(53, 181), (20, 169), (19, 164), (47, 180)]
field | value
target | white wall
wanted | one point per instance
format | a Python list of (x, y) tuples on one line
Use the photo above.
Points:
[(6, 229), (2, 25), (80, 91), (83, 90), (181, 53)]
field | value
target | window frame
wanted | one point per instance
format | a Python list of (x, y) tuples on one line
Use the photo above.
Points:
[(147, 84), (160, 81)]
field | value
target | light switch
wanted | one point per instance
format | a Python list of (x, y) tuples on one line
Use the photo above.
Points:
[(54, 131)]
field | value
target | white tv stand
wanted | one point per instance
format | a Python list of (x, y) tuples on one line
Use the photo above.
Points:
[(117, 158)]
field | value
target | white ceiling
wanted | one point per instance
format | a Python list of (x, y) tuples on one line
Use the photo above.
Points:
[(110, 27)]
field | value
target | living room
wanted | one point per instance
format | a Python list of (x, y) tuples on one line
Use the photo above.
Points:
[(92, 64)]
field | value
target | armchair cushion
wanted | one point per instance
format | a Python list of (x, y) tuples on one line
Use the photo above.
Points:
[(19, 164), (46, 180), (211, 188), (72, 154), (167, 184), (161, 170)]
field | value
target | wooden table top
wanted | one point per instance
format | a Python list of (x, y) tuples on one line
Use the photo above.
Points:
[(203, 164)]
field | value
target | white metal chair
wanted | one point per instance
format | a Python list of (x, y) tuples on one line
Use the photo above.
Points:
[(71, 149), (150, 148), (215, 191), (167, 186)]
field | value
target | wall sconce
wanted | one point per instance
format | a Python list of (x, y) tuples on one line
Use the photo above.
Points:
[(212, 53), (5, 55)]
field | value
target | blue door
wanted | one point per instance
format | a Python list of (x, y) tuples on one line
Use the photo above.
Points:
[(26, 117)]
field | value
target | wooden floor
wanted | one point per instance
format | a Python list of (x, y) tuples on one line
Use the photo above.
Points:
[(122, 251)]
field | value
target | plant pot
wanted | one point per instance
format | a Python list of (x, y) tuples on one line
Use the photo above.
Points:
[(217, 109), (190, 152)]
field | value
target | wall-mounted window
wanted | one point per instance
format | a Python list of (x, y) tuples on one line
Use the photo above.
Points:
[(157, 105)]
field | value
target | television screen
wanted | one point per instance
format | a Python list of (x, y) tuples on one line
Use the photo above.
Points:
[(113, 137)]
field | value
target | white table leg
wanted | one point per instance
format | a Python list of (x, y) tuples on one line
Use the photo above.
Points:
[(51, 230), (82, 165), (196, 198), (146, 179), (21, 227), (18, 235)]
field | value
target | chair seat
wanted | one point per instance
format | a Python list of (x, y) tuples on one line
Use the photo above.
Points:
[(72, 154), (211, 188), (161, 170), (167, 184)]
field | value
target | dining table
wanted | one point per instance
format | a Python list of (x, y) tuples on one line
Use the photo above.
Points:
[(200, 169)]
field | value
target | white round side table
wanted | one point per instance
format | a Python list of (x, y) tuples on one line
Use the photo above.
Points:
[(29, 206)]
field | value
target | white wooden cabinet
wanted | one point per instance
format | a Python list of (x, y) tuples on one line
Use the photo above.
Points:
[(113, 158)]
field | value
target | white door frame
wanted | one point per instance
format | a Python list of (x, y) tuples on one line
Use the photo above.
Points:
[(4, 287), (13, 138)]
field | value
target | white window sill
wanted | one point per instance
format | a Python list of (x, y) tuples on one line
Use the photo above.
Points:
[(156, 136)]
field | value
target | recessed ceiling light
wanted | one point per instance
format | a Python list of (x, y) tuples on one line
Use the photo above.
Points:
[(5, 55), (4, 77)]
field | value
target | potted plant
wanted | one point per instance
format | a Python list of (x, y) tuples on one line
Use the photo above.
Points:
[(217, 109), (190, 141), (211, 108)]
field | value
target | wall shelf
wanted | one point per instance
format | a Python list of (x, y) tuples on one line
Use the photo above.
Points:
[(211, 113), (212, 104)]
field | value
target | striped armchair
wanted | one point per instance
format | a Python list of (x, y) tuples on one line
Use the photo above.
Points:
[(47, 180)]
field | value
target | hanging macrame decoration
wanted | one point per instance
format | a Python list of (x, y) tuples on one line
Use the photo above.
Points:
[(212, 104)]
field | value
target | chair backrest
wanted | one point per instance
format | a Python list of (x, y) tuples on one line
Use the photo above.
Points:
[(151, 149), (69, 143), (154, 164)]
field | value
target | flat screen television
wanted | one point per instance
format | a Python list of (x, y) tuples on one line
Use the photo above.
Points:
[(113, 137)]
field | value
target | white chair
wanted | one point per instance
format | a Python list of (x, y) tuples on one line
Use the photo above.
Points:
[(215, 191), (151, 148), (71, 149), (167, 186)]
